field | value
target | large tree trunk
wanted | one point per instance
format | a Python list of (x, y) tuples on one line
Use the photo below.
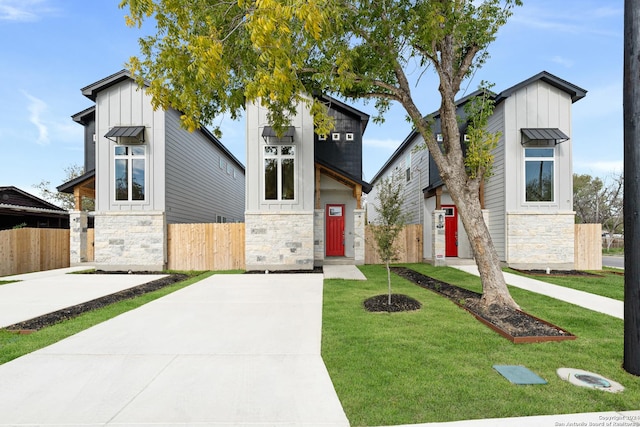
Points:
[(494, 287)]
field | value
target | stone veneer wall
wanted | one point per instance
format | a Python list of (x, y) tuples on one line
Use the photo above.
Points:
[(540, 240), (279, 240), (438, 238), (78, 221), (130, 241), (358, 236), (318, 237)]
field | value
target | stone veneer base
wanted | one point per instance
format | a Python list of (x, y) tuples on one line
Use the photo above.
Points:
[(541, 240), (279, 240), (133, 241)]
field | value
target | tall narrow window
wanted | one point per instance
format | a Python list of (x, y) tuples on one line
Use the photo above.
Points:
[(279, 172), (129, 173), (539, 165)]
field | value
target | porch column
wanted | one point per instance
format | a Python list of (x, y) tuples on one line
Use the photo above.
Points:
[(78, 221), (358, 236), (438, 238)]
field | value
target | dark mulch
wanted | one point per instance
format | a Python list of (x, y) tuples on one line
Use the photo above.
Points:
[(49, 319), (514, 322), (398, 303)]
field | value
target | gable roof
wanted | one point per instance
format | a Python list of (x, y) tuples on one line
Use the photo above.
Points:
[(347, 109), (13, 198), (576, 93), (91, 91), (366, 187)]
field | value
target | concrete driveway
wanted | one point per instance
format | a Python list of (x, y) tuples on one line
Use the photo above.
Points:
[(229, 350), (44, 292)]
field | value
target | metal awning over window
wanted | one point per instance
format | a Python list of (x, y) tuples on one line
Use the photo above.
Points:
[(269, 133), (543, 135), (126, 134)]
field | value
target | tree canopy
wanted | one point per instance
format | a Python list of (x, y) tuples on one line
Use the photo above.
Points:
[(209, 57)]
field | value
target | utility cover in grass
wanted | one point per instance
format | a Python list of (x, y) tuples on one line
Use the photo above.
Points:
[(589, 379), (519, 374)]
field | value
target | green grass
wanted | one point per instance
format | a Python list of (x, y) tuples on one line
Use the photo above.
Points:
[(613, 251), (5, 282), (605, 283), (13, 345), (435, 364)]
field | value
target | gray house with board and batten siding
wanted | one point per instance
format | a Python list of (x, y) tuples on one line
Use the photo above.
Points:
[(147, 172), (304, 191), (527, 203)]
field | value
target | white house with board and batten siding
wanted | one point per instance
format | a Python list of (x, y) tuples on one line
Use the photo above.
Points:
[(147, 172), (527, 202), (304, 191)]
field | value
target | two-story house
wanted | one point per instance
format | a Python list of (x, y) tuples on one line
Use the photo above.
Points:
[(145, 171), (304, 191), (527, 202)]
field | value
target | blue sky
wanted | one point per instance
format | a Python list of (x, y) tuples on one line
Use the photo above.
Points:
[(49, 49)]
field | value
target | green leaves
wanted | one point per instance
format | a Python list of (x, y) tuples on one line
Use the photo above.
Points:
[(391, 219)]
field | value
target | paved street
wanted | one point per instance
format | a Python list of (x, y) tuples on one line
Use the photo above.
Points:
[(613, 261)]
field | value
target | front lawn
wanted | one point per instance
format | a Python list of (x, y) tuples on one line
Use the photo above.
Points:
[(435, 364)]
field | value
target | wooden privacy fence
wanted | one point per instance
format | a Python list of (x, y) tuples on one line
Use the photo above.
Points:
[(33, 249), (588, 247), (205, 246), (409, 244)]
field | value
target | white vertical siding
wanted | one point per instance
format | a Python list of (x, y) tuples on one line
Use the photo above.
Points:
[(538, 105), (413, 205), (197, 188), (304, 162), (124, 104)]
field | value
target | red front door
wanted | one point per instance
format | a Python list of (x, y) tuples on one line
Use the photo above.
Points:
[(334, 223), (451, 230)]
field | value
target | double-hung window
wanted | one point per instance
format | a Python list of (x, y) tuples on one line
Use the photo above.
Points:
[(279, 172), (539, 166), (129, 172)]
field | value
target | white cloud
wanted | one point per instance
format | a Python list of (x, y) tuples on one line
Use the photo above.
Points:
[(568, 63), (389, 144), (23, 10), (36, 108), (586, 20), (599, 167)]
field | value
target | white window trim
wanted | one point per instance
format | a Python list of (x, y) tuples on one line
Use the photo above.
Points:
[(524, 173), (280, 157), (129, 158)]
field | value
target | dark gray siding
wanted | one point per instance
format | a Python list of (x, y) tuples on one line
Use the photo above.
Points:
[(343, 154), (89, 146), (203, 184), (494, 194)]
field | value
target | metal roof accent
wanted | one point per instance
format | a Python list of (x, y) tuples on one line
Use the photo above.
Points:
[(270, 132), (543, 134), (135, 132)]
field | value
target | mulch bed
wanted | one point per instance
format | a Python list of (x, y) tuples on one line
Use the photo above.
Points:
[(398, 303), (515, 325), (49, 319)]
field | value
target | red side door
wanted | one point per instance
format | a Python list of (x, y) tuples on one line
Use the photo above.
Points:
[(334, 225), (451, 230)]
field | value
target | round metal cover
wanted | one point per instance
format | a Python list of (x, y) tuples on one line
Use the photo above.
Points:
[(589, 379)]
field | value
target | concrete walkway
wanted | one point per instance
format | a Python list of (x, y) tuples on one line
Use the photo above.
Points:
[(229, 350), (593, 302)]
